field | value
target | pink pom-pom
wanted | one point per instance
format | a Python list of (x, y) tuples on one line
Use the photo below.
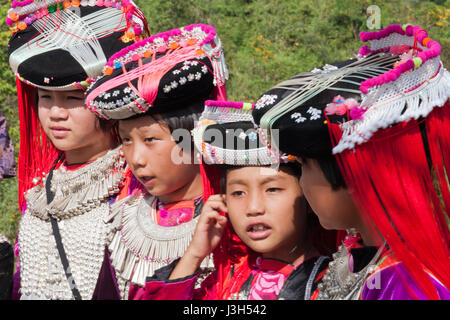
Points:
[(409, 30), (341, 109), (137, 29), (364, 89), (331, 108), (99, 3), (351, 103), (365, 50), (357, 113)]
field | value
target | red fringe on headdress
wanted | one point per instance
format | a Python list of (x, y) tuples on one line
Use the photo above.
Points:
[(439, 143), (36, 153), (392, 185)]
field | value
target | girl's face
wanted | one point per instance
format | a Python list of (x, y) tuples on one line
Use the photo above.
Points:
[(266, 209), (153, 156), (334, 208), (67, 122)]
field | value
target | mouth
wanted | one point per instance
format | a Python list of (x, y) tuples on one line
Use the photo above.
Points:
[(147, 180), (258, 231), (59, 131)]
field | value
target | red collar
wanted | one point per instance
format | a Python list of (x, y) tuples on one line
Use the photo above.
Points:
[(274, 265)]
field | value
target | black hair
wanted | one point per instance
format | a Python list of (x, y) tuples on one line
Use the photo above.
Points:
[(183, 118), (331, 171)]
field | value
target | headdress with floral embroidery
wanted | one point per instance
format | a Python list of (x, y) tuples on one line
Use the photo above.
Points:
[(61, 46), (165, 72), (64, 45), (227, 135)]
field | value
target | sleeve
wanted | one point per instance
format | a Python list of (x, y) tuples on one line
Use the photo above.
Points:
[(159, 287), (394, 283)]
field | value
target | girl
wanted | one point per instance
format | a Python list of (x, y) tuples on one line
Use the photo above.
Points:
[(378, 112), (156, 89), (70, 165), (264, 247)]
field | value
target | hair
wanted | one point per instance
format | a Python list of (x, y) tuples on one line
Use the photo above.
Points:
[(330, 169), (184, 118)]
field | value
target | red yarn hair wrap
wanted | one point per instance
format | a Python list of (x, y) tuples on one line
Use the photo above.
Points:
[(36, 153), (399, 196)]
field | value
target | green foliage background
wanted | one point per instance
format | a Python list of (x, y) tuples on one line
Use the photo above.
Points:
[(265, 42)]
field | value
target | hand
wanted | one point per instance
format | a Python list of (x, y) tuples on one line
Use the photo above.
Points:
[(209, 228), (206, 237)]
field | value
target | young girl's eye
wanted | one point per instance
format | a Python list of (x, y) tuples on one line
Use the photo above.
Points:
[(274, 190), (126, 141), (237, 193), (150, 139), (75, 98)]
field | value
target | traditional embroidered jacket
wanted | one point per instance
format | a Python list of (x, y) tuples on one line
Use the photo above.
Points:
[(269, 280), (366, 273)]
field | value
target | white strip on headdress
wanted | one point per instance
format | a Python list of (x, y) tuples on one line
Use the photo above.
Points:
[(77, 35), (398, 101)]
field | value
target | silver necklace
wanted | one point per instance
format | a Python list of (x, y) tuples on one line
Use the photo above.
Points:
[(339, 283), (139, 245)]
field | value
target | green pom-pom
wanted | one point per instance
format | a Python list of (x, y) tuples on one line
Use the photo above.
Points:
[(417, 62), (247, 106), (405, 25)]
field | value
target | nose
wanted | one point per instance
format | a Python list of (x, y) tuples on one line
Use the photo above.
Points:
[(136, 156), (255, 205), (58, 113)]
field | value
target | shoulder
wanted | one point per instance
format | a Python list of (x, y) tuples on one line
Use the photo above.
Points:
[(391, 281)]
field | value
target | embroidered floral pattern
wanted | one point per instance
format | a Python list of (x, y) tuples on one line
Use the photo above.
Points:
[(267, 286), (298, 117), (252, 136), (314, 112), (265, 100)]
